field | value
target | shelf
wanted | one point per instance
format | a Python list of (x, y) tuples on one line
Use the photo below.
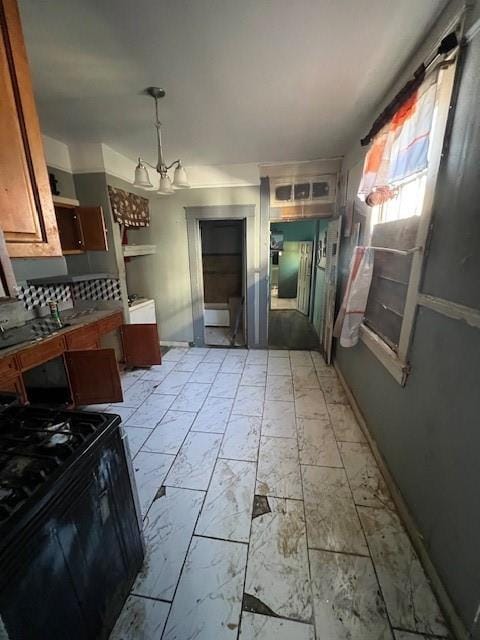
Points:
[(131, 250)]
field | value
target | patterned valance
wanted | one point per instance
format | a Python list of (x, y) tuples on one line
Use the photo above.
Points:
[(128, 209)]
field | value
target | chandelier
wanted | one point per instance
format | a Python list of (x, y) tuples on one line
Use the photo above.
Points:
[(142, 179)]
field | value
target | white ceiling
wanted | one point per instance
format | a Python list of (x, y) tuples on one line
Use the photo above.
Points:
[(246, 80)]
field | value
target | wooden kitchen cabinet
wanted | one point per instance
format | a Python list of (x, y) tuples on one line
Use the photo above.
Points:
[(92, 373), (27, 216), (81, 229)]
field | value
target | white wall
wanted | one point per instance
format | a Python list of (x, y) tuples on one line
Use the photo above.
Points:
[(165, 276)]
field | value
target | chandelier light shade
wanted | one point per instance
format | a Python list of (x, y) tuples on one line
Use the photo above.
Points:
[(142, 179)]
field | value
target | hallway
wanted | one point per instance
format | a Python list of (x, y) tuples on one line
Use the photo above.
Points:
[(265, 514), (290, 329)]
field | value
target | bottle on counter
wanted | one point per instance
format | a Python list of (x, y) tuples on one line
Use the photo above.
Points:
[(54, 312)]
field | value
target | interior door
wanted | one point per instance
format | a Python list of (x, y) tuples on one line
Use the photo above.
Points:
[(331, 270), (141, 345), (304, 277), (93, 228), (93, 375)]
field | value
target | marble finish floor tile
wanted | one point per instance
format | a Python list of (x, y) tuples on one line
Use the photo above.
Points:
[(278, 353), (158, 372), (277, 570), (300, 358), (198, 351), (227, 510), (215, 355), (191, 397), (173, 382), (241, 439), (305, 377), (310, 403), (321, 367), (205, 372), (259, 627), (317, 444), (278, 472), (279, 388), (410, 602), (168, 531), (175, 354), (188, 363), (150, 470), (225, 385), (406, 635), (136, 437), (366, 481), (346, 598), (333, 391), (213, 416), (332, 520), (127, 378), (344, 424), (135, 394), (170, 432), (141, 618), (249, 401), (254, 375), (279, 367), (257, 356), (232, 365), (151, 411), (207, 604), (194, 463), (279, 419)]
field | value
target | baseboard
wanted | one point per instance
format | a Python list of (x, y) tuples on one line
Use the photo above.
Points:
[(446, 605), (173, 343)]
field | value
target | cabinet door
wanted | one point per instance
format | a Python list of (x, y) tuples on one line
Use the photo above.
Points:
[(141, 345), (70, 230), (94, 377), (26, 208), (14, 385), (93, 228)]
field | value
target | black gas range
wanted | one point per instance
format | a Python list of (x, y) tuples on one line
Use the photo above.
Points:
[(70, 531)]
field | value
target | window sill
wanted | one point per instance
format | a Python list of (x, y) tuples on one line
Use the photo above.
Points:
[(388, 357)]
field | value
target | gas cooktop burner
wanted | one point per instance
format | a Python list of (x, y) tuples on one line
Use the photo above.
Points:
[(35, 443)]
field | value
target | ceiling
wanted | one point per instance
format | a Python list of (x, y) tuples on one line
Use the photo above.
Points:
[(246, 80)]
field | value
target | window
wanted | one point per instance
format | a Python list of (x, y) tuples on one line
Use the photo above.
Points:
[(398, 231), (283, 193)]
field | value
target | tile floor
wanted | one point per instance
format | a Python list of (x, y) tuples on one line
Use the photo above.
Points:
[(265, 514)]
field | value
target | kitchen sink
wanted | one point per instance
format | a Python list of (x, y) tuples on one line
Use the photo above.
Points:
[(34, 330)]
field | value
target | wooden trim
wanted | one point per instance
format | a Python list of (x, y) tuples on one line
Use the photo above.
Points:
[(451, 309), (446, 82), (446, 605), (387, 356), (47, 242)]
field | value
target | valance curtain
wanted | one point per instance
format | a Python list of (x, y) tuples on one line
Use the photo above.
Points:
[(129, 210), (400, 149)]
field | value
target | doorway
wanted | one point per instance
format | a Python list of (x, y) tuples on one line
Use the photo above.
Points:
[(223, 269), (297, 284)]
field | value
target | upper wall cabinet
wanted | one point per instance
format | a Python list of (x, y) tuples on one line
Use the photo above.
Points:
[(27, 217), (80, 228)]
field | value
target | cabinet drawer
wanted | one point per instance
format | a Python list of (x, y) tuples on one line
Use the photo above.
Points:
[(83, 338), (41, 353), (110, 324), (8, 367)]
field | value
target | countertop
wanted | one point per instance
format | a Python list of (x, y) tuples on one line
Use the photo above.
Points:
[(74, 319)]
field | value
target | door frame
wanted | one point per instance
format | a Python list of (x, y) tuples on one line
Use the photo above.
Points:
[(220, 212)]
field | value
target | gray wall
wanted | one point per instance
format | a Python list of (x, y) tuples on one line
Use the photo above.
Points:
[(165, 276), (428, 432), (65, 182)]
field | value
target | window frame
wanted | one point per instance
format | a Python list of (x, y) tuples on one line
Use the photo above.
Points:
[(396, 362)]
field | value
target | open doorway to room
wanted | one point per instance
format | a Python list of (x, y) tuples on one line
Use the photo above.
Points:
[(297, 283), (223, 268)]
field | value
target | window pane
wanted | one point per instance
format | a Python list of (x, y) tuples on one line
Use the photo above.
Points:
[(283, 193), (301, 191), (320, 189)]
